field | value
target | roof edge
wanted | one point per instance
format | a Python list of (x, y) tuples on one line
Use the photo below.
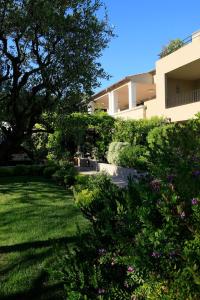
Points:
[(120, 82)]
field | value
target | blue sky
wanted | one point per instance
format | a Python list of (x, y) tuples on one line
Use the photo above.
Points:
[(142, 28)]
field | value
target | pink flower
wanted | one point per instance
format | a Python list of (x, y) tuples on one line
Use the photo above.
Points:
[(130, 269), (101, 291), (195, 201), (182, 215)]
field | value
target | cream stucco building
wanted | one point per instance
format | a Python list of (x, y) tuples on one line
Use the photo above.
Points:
[(172, 90)]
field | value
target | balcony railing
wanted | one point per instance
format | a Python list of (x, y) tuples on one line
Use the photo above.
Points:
[(184, 98)]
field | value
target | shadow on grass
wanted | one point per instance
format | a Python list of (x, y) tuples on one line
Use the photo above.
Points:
[(39, 244), (39, 291)]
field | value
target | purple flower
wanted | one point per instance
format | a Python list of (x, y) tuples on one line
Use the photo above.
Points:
[(155, 185), (130, 269), (172, 254), (155, 254), (170, 178), (101, 291), (196, 173), (195, 201), (102, 251)]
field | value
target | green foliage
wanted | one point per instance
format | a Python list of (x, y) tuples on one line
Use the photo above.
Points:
[(22, 170), (135, 131), (54, 145), (133, 157), (114, 150), (6, 171), (39, 73), (98, 201), (148, 232), (171, 47), (49, 171), (145, 243), (82, 179), (65, 173), (175, 155), (88, 133)]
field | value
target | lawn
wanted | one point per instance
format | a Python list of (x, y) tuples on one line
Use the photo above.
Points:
[(37, 219)]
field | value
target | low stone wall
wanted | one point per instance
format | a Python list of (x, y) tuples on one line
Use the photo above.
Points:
[(115, 171), (119, 171)]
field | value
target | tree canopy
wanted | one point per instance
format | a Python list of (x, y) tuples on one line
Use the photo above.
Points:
[(49, 54)]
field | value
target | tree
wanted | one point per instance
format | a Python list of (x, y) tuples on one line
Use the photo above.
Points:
[(171, 47), (48, 62), (88, 133)]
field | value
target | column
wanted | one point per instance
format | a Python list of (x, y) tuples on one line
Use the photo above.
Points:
[(131, 94), (113, 103), (91, 107)]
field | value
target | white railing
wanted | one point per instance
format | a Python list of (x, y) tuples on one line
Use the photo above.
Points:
[(184, 98)]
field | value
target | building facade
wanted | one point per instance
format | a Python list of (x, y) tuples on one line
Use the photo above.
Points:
[(172, 90)]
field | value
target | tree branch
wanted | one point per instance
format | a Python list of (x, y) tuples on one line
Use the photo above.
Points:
[(6, 76)]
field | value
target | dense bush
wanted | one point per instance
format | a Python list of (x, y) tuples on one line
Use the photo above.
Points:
[(65, 173), (134, 157), (6, 171), (145, 239), (88, 133), (22, 170), (114, 151), (145, 243), (175, 155), (171, 47), (135, 132), (49, 170)]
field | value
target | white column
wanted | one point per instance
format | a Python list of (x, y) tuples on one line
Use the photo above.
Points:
[(131, 94), (113, 103), (91, 107)]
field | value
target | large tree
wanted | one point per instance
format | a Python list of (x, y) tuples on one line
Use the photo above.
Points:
[(49, 54)]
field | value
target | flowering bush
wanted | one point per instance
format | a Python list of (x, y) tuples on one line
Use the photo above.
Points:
[(144, 241)]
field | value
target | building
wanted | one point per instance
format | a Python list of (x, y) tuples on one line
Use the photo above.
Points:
[(172, 90)]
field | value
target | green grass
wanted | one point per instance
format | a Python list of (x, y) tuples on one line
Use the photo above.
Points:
[(37, 219)]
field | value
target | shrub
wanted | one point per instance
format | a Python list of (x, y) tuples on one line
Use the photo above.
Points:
[(135, 132), (58, 176), (144, 240), (81, 179), (145, 244), (69, 178), (49, 171), (65, 173), (114, 151), (98, 201), (6, 171), (175, 155), (36, 170), (88, 133), (133, 157), (171, 47), (22, 170)]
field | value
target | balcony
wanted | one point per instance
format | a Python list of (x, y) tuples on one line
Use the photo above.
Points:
[(183, 98), (136, 113)]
